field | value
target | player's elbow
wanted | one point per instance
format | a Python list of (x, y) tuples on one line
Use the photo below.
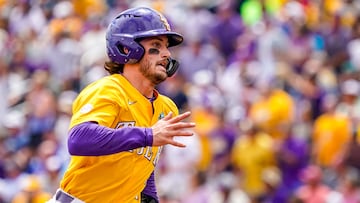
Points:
[(74, 145), (77, 145)]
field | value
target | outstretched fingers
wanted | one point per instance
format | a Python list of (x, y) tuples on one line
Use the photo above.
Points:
[(179, 118), (177, 144), (181, 125), (168, 116), (169, 127), (178, 129), (178, 133)]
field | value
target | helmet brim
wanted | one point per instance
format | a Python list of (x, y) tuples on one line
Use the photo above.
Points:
[(174, 37)]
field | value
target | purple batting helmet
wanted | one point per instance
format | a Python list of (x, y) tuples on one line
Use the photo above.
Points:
[(132, 25)]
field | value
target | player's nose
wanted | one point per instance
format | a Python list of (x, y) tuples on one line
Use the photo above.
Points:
[(165, 53)]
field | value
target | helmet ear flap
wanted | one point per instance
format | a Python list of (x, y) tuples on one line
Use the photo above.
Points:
[(130, 55), (116, 51)]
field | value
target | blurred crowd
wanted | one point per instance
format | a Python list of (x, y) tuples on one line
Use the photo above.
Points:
[(273, 86)]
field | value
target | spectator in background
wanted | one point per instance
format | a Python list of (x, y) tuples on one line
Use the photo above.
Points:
[(313, 189), (199, 55), (273, 111), (41, 109), (14, 177), (54, 166), (63, 51), (349, 185), (206, 101), (176, 88), (222, 139), (352, 154), (197, 25), (226, 190), (30, 15), (4, 68), (94, 53), (349, 103), (177, 167), (308, 47), (236, 79), (64, 112), (199, 190), (15, 135), (272, 178), (32, 191), (253, 152), (352, 60), (331, 135), (336, 39), (292, 155), (90, 8), (226, 19)]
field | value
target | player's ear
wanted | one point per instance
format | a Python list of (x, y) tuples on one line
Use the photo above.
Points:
[(125, 50)]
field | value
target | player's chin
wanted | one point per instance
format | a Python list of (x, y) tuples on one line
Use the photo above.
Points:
[(160, 77), (162, 73), (160, 69)]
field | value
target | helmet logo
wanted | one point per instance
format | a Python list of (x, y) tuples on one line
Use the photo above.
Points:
[(164, 21)]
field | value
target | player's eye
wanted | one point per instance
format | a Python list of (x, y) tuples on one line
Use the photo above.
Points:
[(156, 45)]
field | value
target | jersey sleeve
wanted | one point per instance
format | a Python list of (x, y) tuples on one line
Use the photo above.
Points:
[(91, 139)]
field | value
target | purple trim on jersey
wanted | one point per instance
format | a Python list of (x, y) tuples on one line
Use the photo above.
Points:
[(150, 188), (92, 139)]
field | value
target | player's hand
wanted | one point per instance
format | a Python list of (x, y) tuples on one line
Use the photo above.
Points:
[(169, 127)]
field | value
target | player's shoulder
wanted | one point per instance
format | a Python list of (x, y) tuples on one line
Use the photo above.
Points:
[(107, 85), (109, 81), (168, 102), (164, 98)]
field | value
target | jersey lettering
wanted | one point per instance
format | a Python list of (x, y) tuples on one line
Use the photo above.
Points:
[(140, 151), (156, 159), (148, 154), (125, 124)]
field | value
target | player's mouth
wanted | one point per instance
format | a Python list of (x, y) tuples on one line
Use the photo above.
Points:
[(163, 64)]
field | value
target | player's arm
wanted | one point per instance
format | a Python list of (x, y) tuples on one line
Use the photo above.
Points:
[(92, 139)]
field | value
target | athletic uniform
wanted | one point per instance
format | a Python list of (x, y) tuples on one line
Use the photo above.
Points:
[(99, 174), (110, 138)]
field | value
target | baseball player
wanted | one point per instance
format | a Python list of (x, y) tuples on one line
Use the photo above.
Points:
[(121, 122)]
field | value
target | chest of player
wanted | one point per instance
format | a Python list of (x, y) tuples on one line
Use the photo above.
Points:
[(141, 113)]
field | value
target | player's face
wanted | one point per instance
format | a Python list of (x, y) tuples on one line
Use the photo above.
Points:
[(153, 64)]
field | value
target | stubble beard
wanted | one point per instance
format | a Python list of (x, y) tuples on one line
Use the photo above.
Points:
[(150, 73)]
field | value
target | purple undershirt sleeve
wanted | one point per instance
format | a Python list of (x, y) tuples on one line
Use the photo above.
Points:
[(150, 188), (92, 139)]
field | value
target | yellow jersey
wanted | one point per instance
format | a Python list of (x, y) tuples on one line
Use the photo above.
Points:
[(113, 102)]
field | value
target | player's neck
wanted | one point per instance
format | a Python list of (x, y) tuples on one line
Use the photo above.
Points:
[(142, 84)]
